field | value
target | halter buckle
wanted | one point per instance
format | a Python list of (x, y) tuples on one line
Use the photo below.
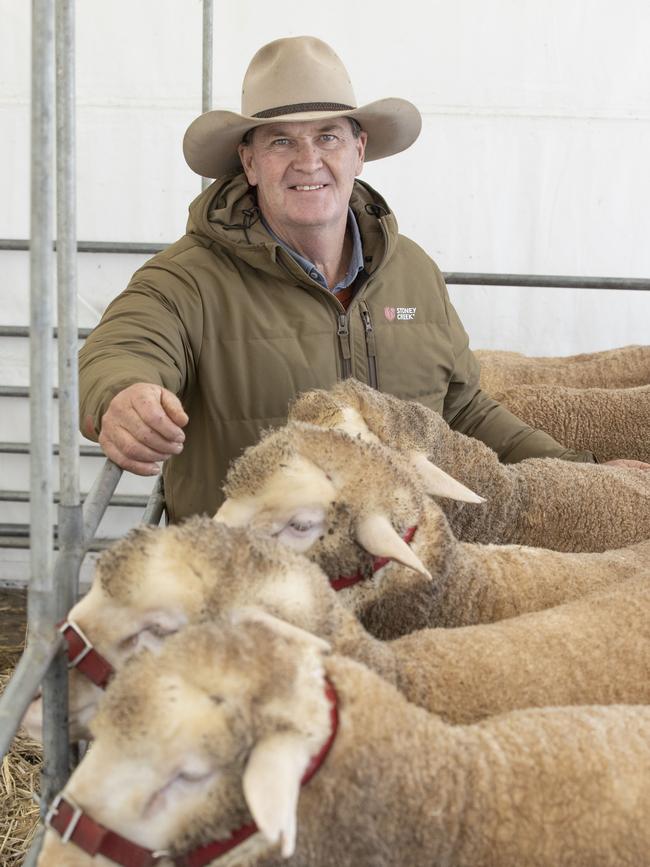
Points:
[(85, 650), (53, 811)]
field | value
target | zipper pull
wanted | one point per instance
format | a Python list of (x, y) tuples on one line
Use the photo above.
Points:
[(370, 344), (344, 342)]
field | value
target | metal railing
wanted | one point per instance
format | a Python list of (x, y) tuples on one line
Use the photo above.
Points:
[(457, 278), (53, 584)]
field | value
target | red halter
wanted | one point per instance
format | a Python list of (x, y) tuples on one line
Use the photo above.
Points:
[(378, 562), (75, 826), (83, 656)]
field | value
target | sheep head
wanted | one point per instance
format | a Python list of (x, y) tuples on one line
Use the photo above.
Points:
[(366, 413), (219, 726), (338, 499), (155, 580)]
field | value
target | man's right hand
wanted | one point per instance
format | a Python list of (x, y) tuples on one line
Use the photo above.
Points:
[(143, 426)]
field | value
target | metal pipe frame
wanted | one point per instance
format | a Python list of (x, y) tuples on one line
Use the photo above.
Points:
[(23, 449), (458, 278), (23, 331), (65, 584), (52, 591), (156, 504), (43, 645), (207, 58), (125, 500), (41, 314), (17, 244)]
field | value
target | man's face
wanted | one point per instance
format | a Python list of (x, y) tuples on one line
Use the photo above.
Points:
[(304, 172)]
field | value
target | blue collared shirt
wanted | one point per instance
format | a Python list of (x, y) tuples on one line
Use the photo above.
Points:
[(356, 260)]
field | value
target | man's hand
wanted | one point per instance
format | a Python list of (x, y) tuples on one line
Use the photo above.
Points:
[(143, 426), (625, 462)]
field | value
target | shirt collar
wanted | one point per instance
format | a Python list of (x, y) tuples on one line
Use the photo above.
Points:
[(356, 260)]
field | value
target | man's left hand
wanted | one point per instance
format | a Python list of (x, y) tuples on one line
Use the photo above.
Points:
[(625, 462)]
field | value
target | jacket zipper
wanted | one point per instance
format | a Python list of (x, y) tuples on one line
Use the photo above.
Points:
[(343, 332), (370, 344)]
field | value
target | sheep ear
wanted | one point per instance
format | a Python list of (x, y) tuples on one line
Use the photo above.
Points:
[(233, 513), (354, 424), (438, 483), (246, 614), (271, 784), (378, 536)]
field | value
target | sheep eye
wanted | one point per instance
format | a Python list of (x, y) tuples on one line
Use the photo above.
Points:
[(188, 777), (300, 526)]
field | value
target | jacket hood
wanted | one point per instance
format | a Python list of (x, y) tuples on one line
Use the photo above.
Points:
[(227, 214)]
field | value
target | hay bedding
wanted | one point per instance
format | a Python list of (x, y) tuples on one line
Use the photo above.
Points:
[(21, 767)]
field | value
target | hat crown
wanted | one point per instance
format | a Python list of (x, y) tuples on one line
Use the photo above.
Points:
[(295, 71)]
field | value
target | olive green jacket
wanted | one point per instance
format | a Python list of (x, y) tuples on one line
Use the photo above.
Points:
[(229, 322)]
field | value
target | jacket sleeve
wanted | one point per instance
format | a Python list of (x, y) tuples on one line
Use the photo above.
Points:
[(472, 411), (149, 333)]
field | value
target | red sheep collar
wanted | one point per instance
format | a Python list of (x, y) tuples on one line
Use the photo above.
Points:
[(82, 655), (75, 826), (348, 580)]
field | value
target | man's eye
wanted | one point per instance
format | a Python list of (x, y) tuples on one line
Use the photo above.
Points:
[(328, 138), (280, 141)]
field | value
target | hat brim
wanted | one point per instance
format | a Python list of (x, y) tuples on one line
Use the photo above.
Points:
[(210, 143)]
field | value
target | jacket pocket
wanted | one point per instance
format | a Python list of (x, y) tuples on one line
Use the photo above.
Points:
[(415, 358)]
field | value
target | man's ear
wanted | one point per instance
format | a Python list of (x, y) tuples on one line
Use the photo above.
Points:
[(361, 150), (245, 152)]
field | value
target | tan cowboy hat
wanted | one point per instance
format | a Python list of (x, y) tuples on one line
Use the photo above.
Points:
[(298, 78)]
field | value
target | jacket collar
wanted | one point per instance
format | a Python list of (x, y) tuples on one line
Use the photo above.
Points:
[(226, 213)]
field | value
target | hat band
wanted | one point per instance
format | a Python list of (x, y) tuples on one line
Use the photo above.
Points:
[(303, 106)]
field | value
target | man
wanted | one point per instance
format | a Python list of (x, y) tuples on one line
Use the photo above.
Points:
[(291, 275)]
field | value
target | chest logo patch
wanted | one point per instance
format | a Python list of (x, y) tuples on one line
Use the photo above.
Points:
[(399, 313)]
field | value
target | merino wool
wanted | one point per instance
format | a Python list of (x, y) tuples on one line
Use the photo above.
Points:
[(470, 583), (553, 787), (625, 367), (593, 650), (611, 422), (540, 501)]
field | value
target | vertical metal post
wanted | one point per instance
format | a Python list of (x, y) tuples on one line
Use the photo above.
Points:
[(41, 587), (41, 313), (70, 520), (67, 281), (208, 27)]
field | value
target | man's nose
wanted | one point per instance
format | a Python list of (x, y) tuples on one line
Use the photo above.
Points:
[(307, 156)]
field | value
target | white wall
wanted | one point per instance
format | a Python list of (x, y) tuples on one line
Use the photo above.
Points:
[(533, 156)]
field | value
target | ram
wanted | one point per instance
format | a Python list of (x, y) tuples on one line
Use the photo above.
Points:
[(344, 502), (592, 651), (610, 422), (624, 367), (249, 741), (545, 502)]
